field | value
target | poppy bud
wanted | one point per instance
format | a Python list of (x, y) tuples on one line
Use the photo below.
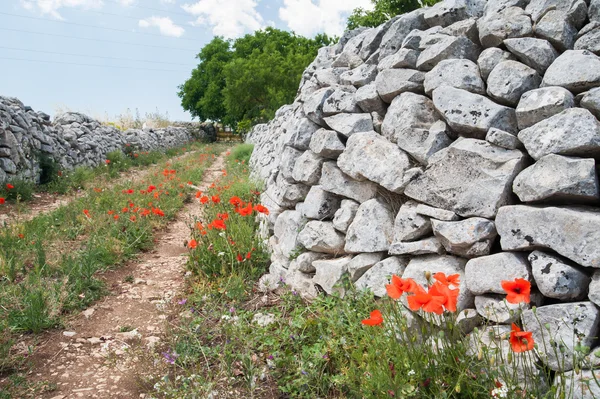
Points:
[(428, 275), (509, 357)]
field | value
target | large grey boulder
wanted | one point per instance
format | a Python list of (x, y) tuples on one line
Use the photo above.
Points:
[(573, 10), (468, 238), (337, 182), (341, 100), (307, 169), (489, 58), (557, 29), (348, 124), (590, 40), (594, 288), (329, 274), (537, 105), (313, 107), (329, 76), (392, 82), (484, 275), (451, 11), (558, 278), (591, 101), (404, 58), (575, 131), (286, 230), (368, 99), (581, 385), (436, 213), (461, 74), (594, 11), (400, 28), (379, 275), (471, 114), (426, 246), (511, 22), (300, 132), (304, 262), (503, 139), (536, 53), (370, 156), (363, 262), (359, 76), (419, 266), (575, 70), (320, 204), (496, 309), (559, 329), (286, 194), (372, 228), (319, 236), (573, 232), (448, 47), (509, 80), (479, 183), (467, 28), (555, 177), (409, 225), (408, 123), (343, 217), (326, 144), (288, 161)]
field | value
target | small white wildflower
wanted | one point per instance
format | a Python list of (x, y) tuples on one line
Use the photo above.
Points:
[(222, 234), (500, 392), (411, 372), (226, 317), (221, 254)]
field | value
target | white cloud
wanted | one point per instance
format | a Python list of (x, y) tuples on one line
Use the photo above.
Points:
[(309, 17), (51, 7), (229, 18), (167, 1), (164, 24), (126, 3)]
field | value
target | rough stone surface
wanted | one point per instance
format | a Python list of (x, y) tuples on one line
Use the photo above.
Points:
[(341, 100), (461, 74), (286, 230), (489, 58), (573, 232), (536, 53), (307, 169), (326, 144), (509, 23), (344, 216), (503, 139), (436, 213), (349, 124), (430, 245), (575, 70), (360, 76), (537, 105), (581, 385), (558, 278), (304, 262), (370, 156), (555, 135), (409, 225), (337, 182), (496, 309), (363, 262), (468, 238), (313, 107), (471, 114), (591, 101), (392, 82), (449, 47), (404, 58), (372, 228), (320, 204), (556, 177), (561, 323), (594, 288), (379, 275), (329, 273), (509, 80), (557, 29), (368, 99), (319, 236), (485, 274), (489, 170)]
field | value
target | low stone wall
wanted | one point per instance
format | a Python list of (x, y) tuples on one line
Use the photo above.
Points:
[(74, 139), (460, 138)]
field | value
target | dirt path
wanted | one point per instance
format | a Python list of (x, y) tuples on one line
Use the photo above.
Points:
[(91, 359), (46, 202)]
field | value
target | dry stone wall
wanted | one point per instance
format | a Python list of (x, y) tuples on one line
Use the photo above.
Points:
[(460, 138), (73, 139)]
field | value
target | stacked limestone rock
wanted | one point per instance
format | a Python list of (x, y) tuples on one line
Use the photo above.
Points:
[(481, 119), (72, 140)]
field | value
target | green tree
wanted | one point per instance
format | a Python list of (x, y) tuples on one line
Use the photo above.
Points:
[(244, 82), (383, 11), (201, 93)]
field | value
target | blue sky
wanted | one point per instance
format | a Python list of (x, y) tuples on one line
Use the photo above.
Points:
[(145, 49)]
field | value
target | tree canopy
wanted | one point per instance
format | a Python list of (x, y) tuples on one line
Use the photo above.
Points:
[(245, 81), (383, 11)]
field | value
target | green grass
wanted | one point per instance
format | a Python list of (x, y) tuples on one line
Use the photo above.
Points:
[(49, 265)]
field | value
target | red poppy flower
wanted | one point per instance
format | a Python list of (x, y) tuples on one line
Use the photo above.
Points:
[(517, 291), (236, 201), (450, 295), (520, 341), (130, 191), (125, 210), (399, 286), (375, 319), (2, 201), (192, 244), (158, 212), (426, 301), (98, 190), (151, 188), (453, 279), (223, 216), (218, 224), (116, 217), (240, 257), (132, 218), (111, 212), (198, 194), (204, 200), (107, 161), (215, 199), (9, 186), (21, 236), (86, 213), (261, 209), (245, 211), (199, 226)]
